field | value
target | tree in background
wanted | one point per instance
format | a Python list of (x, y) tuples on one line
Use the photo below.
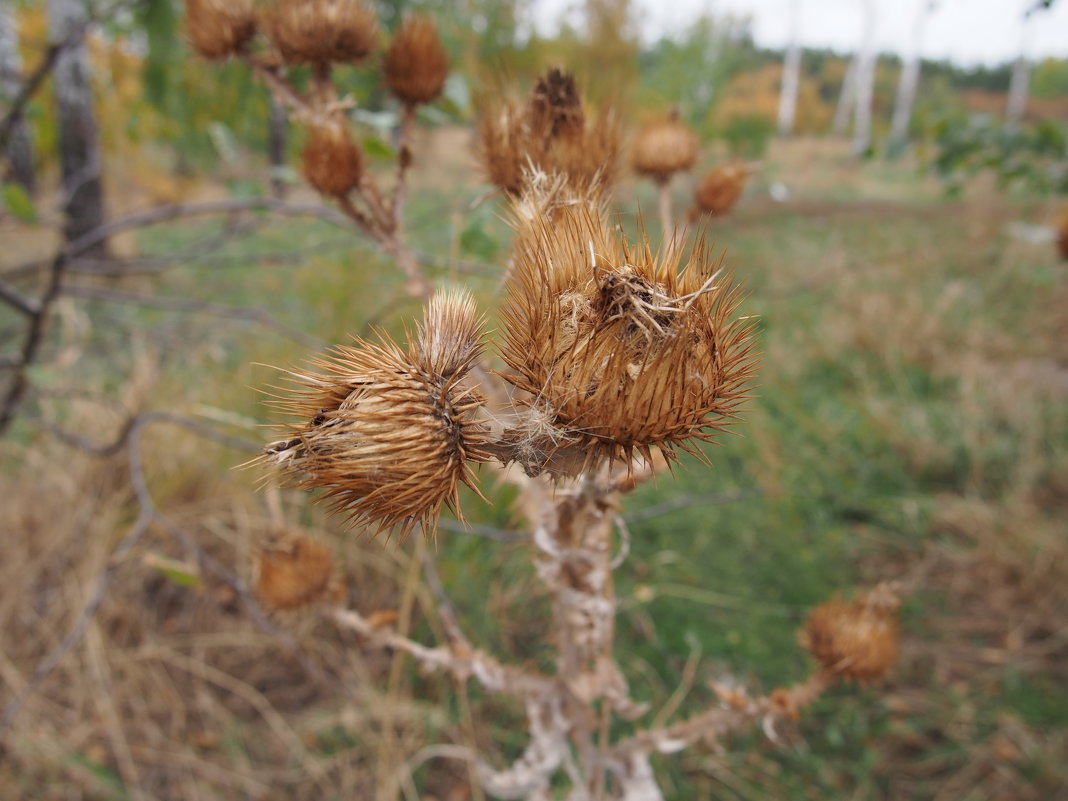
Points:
[(910, 78), (791, 73), (79, 136), (19, 148), (865, 83)]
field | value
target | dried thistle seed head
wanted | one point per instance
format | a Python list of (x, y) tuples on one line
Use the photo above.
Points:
[(663, 148), (718, 190), (322, 31), (551, 134), (292, 571), (385, 433), (859, 640), (219, 28), (555, 106), (332, 161), (622, 351), (416, 64)]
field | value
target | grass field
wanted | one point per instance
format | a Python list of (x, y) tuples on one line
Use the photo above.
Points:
[(910, 423)]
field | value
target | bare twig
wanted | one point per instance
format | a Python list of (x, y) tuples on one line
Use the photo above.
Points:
[(129, 437), (194, 306), (32, 342), (15, 298), (36, 79)]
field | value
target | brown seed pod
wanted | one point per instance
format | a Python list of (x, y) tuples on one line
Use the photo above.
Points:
[(219, 28), (416, 64), (332, 161), (859, 640), (322, 31), (1062, 234), (718, 190), (663, 148), (387, 434), (622, 351), (551, 133), (293, 571)]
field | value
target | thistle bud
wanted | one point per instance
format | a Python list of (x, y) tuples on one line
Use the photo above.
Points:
[(322, 31), (388, 433), (293, 571), (621, 350), (857, 640), (663, 148), (333, 162), (416, 65), (219, 28), (718, 190)]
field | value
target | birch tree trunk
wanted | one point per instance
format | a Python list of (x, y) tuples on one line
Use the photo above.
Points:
[(846, 99), (791, 74), (19, 153), (865, 83), (910, 79), (78, 134), (1019, 84)]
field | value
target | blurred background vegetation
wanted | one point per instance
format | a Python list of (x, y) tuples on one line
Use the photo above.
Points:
[(911, 422)]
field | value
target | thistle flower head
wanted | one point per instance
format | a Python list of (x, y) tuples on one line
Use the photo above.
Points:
[(416, 64), (292, 571), (859, 640), (332, 161), (219, 28), (718, 190), (550, 133), (664, 147), (387, 433), (622, 350), (322, 31)]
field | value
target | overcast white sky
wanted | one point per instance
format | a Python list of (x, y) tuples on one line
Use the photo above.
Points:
[(966, 31)]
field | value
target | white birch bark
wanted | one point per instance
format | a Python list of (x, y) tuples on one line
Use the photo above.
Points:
[(910, 78), (846, 99), (79, 138), (865, 83), (791, 74), (19, 154)]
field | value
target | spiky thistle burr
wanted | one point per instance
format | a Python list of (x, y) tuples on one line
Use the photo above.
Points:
[(718, 190), (293, 571), (550, 133), (322, 32), (219, 28), (416, 65), (388, 433), (619, 349), (859, 640), (331, 160), (664, 147)]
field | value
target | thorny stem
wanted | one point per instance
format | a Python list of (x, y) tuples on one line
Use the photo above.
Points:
[(389, 740), (404, 162), (287, 94)]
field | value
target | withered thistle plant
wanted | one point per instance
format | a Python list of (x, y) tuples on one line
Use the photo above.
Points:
[(718, 190), (663, 147), (611, 360), (551, 133)]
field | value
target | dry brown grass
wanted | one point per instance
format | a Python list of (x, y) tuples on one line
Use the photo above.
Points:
[(174, 692)]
